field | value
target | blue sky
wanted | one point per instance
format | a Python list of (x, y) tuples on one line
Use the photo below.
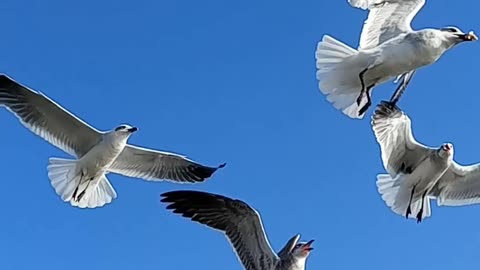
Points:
[(229, 81)]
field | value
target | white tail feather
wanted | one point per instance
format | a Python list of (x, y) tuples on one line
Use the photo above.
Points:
[(97, 196), (65, 179), (397, 196), (338, 75)]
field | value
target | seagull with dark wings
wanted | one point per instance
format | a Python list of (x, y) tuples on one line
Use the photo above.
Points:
[(82, 181), (242, 226), (418, 173), (388, 48)]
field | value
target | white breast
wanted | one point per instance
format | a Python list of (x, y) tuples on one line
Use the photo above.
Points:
[(102, 155)]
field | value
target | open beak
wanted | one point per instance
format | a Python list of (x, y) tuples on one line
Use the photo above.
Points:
[(307, 246), (470, 36), (133, 129)]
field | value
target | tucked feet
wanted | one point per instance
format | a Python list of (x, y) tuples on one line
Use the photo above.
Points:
[(408, 213), (419, 216)]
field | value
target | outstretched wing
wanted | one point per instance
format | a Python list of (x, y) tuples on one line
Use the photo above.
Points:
[(460, 185), (155, 165), (240, 222), (47, 119), (386, 19), (401, 153)]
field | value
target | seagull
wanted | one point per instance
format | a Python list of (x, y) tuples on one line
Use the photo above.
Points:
[(242, 226), (418, 173), (388, 48), (82, 181)]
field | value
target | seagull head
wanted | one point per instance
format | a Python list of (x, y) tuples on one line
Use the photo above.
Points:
[(302, 249), (456, 35), (446, 150), (125, 130)]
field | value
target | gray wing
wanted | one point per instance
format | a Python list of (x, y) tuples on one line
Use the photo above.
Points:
[(288, 248), (241, 224), (47, 119), (154, 165), (401, 153), (386, 19), (460, 185)]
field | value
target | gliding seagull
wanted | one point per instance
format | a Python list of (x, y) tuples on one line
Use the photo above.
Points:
[(388, 48), (418, 173), (242, 226), (83, 182)]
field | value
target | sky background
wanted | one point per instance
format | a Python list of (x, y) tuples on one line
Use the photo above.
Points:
[(226, 81)]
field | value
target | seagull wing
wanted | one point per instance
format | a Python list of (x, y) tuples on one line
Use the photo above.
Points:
[(47, 119), (460, 185), (386, 19), (240, 222), (401, 153), (150, 164), (288, 248)]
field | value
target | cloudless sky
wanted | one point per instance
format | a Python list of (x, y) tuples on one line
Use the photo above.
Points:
[(226, 81)]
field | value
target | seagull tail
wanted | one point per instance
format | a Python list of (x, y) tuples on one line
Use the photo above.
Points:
[(65, 180), (397, 196), (338, 71)]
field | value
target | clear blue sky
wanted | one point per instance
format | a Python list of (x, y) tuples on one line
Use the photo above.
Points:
[(231, 82)]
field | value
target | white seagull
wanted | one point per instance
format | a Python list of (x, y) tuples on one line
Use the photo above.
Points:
[(83, 182), (388, 48), (418, 173), (242, 226)]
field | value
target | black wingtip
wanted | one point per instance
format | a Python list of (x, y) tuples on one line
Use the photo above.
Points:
[(204, 172), (386, 108), (5, 80), (174, 195)]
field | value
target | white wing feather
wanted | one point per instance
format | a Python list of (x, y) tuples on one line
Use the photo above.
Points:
[(401, 153), (47, 119), (387, 19), (149, 164), (460, 185)]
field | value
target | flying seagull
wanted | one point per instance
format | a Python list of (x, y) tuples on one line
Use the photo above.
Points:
[(82, 181), (418, 173), (388, 48), (242, 226)]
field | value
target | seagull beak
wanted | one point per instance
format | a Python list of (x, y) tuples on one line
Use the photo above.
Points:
[(307, 246), (133, 129), (468, 37)]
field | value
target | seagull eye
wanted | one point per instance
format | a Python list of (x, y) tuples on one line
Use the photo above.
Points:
[(450, 29), (120, 128)]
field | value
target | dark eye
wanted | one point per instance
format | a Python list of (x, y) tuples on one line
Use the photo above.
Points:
[(120, 128), (450, 29)]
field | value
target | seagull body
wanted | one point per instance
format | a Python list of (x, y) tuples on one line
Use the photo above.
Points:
[(388, 48), (82, 181), (242, 226), (418, 173)]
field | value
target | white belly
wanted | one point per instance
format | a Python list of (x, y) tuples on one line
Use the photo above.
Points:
[(396, 57), (425, 176), (97, 161)]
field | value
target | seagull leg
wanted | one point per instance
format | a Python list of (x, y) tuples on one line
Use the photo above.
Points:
[(407, 77), (409, 210), (83, 192), (369, 101), (74, 196), (420, 213), (362, 92)]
